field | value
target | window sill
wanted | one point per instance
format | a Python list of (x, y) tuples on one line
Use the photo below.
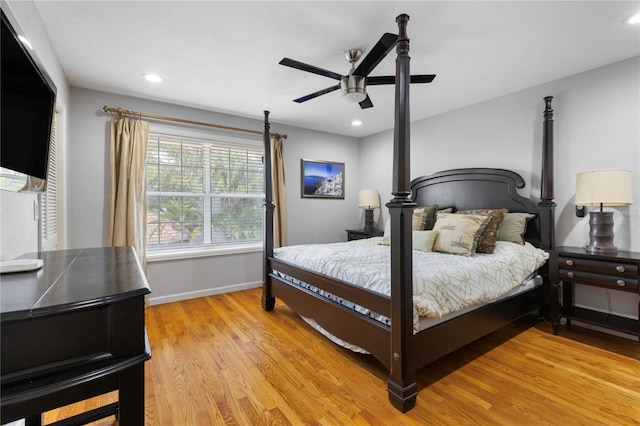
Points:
[(159, 256)]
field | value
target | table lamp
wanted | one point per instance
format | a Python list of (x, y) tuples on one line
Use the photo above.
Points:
[(368, 199), (604, 188)]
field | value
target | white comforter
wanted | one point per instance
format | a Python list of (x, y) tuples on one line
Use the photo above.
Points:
[(442, 283)]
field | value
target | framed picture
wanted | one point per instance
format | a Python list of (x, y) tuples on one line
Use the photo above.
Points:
[(322, 179)]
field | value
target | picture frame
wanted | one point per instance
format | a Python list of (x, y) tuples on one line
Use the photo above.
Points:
[(322, 179)]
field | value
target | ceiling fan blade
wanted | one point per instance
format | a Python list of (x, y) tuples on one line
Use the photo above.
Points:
[(377, 54), (390, 79), (318, 93), (366, 103), (309, 68)]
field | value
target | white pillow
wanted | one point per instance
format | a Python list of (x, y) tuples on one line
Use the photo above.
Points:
[(421, 240)]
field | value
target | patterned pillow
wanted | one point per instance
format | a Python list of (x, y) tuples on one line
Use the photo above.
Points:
[(429, 217), (514, 226), (424, 217), (487, 241), (416, 222), (459, 233)]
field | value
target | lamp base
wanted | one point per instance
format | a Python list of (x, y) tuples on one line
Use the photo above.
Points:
[(368, 220), (601, 233)]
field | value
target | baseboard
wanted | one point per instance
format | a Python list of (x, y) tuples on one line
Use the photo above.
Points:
[(201, 293)]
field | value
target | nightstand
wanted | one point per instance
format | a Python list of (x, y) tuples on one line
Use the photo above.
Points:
[(574, 265), (361, 234)]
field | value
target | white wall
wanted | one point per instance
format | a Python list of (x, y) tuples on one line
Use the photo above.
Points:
[(310, 220), (597, 126), (19, 228)]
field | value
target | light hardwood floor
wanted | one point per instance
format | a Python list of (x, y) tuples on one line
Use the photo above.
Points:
[(223, 360)]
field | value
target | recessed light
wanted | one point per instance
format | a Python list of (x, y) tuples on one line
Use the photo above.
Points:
[(154, 78), (356, 123), (633, 19), (25, 41)]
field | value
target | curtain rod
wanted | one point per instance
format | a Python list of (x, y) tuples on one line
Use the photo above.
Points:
[(181, 120)]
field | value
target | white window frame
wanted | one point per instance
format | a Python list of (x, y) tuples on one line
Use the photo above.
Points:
[(206, 250)]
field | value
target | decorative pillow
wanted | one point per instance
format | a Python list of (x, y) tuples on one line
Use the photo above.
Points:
[(487, 241), (424, 217), (416, 223), (459, 233), (429, 217), (514, 226), (421, 240)]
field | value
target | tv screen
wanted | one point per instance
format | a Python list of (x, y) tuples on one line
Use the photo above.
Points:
[(27, 102)]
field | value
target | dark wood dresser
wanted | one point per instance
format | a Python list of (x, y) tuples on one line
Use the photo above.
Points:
[(72, 330)]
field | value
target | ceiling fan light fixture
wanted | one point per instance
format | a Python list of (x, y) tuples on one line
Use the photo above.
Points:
[(353, 88)]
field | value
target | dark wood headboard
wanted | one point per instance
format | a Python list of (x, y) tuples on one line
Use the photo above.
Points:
[(477, 188)]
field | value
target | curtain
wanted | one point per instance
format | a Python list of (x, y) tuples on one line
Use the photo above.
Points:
[(279, 192), (128, 186)]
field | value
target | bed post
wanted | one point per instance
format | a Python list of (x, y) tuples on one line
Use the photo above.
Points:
[(547, 205), (268, 301), (547, 210), (401, 385)]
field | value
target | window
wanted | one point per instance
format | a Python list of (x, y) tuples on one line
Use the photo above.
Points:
[(203, 193)]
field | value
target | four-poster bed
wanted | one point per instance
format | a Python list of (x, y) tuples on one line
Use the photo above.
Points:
[(395, 343)]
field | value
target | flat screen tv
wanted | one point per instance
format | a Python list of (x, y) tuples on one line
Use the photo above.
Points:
[(27, 102)]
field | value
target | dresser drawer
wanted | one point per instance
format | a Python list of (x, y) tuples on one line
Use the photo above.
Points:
[(608, 281), (613, 268)]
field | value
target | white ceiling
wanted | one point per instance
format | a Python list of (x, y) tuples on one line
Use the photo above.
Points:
[(223, 56)]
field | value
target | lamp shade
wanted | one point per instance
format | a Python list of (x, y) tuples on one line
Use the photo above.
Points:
[(368, 199), (606, 187)]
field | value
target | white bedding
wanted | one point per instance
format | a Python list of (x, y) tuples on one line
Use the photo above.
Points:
[(442, 283)]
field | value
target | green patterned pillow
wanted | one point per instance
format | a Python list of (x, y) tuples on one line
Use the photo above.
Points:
[(459, 233), (429, 217)]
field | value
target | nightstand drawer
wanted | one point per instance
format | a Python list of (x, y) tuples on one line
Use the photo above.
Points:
[(609, 281), (617, 269)]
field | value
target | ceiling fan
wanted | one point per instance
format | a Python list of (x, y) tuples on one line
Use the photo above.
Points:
[(354, 85)]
